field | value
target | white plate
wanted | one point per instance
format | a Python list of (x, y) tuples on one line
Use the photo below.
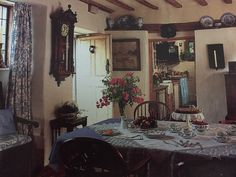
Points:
[(185, 136), (114, 132), (228, 19), (207, 21)]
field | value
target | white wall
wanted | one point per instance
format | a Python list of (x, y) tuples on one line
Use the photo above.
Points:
[(144, 57), (211, 94)]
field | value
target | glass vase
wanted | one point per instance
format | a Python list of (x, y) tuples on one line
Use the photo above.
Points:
[(123, 119)]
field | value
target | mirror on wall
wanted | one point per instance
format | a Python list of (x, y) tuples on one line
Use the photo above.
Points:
[(174, 80)]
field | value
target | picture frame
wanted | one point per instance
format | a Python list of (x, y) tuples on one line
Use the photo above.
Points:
[(126, 55)]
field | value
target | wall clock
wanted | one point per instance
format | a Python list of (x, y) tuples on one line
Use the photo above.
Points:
[(64, 30), (62, 63)]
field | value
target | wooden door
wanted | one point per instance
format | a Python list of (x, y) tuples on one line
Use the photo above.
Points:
[(90, 70)]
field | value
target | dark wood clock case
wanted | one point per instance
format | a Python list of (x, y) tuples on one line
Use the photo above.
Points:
[(62, 63)]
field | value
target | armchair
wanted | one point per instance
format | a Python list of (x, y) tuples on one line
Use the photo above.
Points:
[(16, 135)]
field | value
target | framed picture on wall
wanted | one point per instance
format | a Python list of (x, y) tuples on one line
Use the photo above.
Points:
[(126, 55)]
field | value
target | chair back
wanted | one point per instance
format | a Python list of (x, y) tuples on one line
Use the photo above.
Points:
[(159, 110), (87, 157)]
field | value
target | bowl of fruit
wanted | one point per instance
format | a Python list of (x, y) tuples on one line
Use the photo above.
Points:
[(145, 122), (200, 126)]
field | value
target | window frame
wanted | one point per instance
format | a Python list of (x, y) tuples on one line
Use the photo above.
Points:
[(9, 7)]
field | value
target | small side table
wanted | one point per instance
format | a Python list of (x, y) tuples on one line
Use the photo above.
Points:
[(57, 124)]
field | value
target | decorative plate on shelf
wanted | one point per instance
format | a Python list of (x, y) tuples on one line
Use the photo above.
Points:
[(207, 21), (125, 22), (228, 19)]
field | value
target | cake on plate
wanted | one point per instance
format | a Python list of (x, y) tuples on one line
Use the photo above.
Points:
[(188, 110)]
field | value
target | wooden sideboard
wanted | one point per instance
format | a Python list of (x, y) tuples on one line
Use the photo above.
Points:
[(230, 85)]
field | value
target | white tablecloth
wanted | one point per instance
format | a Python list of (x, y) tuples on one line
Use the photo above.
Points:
[(207, 140)]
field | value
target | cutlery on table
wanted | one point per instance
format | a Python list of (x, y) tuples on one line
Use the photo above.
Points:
[(171, 143), (135, 137)]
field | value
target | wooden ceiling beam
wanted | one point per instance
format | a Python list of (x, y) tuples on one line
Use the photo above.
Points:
[(174, 3), (100, 6), (121, 4), (228, 1), (148, 4), (202, 2)]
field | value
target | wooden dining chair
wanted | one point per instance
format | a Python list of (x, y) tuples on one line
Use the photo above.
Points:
[(89, 157), (156, 109)]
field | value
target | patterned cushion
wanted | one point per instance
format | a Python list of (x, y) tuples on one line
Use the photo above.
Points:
[(7, 125), (13, 140)]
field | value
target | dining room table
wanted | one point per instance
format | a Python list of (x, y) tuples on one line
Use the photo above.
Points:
[(168, 144)]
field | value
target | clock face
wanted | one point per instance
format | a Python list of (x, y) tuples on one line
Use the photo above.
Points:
[(64, 30)]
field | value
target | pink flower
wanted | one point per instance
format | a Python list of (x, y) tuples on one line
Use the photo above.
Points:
[(113, 81), (136, 90), (117, 81), (121, 82), (126, 96)]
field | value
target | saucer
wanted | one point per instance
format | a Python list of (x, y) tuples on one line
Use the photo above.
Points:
[(174, 128), (222, 139), (187, 136), (110, 132)]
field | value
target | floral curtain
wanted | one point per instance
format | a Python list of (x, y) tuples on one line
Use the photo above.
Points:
[(19, 91)]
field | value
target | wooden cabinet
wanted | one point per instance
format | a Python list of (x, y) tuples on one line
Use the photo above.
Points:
[(230, 85)]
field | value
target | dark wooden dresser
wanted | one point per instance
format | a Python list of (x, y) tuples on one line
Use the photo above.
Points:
[(230, 85)]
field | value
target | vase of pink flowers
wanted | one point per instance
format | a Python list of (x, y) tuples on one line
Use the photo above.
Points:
[(121, 90)]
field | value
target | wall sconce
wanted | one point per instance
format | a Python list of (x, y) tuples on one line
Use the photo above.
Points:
[(92, 49)]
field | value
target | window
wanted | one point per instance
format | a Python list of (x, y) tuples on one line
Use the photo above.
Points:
[(4, 32)]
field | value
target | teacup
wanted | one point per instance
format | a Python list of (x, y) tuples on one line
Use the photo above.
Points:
[(174, 128), (222, 137), (231, 130), (187, 132)]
